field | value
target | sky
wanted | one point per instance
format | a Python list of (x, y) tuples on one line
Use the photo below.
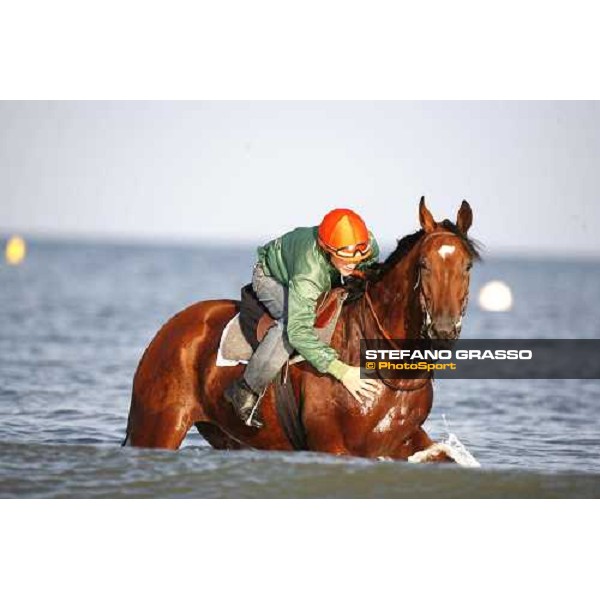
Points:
[(240, 172)]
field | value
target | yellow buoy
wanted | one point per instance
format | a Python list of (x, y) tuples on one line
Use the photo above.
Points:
[(16, 249)]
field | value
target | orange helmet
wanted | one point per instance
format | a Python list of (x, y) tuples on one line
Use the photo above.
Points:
[(344, 234)]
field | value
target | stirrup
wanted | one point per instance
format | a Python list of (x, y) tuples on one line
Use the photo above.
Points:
[(253, 419), (244, 402)]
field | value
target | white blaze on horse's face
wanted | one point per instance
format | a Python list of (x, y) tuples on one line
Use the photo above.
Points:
[(445, 250)]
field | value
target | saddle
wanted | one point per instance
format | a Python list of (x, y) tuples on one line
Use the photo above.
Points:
[(245, 331)]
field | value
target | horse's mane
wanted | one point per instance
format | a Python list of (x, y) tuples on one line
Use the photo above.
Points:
[(373, 273)]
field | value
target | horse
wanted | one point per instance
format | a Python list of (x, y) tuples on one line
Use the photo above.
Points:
[(420, 290)]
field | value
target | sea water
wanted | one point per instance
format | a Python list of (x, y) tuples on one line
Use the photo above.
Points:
[(76, 317)]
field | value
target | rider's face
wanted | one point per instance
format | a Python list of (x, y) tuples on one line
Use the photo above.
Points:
[(344, 267)]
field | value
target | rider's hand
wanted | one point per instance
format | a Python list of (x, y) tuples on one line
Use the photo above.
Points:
[(360, 388)]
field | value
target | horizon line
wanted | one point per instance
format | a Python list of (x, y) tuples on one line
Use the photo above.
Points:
[(166, 240)]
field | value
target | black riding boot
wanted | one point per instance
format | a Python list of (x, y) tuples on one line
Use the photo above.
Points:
[(243, 399)]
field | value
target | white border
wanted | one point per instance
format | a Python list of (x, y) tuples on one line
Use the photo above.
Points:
[(309, 50), (325, 49), (298, 549)]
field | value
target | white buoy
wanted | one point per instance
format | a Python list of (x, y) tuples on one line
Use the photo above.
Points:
[(495, 296)]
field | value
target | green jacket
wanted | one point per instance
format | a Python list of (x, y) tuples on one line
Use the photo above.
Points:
[(297, 261)]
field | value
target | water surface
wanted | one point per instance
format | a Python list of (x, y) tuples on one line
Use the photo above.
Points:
[(76, 317)]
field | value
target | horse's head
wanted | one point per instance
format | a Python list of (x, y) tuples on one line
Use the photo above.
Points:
[(445, 258)]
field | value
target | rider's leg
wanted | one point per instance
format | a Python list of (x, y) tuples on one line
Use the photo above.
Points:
[(270, 292), (274, 349), (267, 360), (270, 355)]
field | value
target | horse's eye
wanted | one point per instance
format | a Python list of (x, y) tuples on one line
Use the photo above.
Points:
[(424, 265), (469, 266)]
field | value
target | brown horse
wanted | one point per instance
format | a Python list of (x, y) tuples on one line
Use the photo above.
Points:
[(420, 290)]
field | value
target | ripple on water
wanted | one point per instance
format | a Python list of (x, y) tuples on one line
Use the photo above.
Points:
[(83, 470)]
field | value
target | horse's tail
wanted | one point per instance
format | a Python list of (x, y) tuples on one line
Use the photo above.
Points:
[(124, 442)]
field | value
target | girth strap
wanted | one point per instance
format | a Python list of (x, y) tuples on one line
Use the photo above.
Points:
[(289, 412)]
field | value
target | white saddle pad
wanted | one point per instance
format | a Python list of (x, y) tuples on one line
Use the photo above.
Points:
[(233, 347)]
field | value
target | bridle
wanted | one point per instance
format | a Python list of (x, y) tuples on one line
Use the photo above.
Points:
[(387, 336), (384, 332)]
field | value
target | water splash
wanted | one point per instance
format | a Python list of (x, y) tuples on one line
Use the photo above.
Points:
[(457, 450)]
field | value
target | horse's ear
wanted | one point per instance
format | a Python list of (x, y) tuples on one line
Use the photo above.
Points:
[(464, 218), (425, 217)]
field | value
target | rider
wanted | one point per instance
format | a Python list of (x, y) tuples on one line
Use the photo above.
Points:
[(291, 273)]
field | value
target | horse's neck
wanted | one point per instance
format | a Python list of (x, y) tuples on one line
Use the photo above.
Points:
[(396, 301)]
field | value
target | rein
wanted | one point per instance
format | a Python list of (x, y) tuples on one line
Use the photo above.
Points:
[(381, 328), (387, 336)]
